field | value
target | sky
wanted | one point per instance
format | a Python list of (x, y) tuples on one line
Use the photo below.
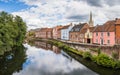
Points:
[(50, 13)]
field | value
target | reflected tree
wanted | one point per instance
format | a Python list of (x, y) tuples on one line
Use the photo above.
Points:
[(12, 61)]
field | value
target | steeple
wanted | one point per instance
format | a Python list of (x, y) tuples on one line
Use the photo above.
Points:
[(90, 20)]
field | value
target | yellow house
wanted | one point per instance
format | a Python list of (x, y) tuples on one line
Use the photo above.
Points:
[(89, 35)]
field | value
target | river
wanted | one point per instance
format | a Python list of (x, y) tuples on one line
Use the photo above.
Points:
[(41, 58)]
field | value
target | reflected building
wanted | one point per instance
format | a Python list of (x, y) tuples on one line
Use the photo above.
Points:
[(43, 45), (46, 46), (56, 50)]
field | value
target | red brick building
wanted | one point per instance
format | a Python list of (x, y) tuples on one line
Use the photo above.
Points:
[(75, 33), (117, 31), (44, 33)]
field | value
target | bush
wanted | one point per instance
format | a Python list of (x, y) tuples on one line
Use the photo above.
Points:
[(114, 55), (87, 55), (105, 60), (99, 51), (118, 64), (94, 58)]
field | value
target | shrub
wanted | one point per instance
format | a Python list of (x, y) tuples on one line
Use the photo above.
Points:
[(105, 60), (114, 55), (118, 64), (87, 55), (99, 51), (94, 58)]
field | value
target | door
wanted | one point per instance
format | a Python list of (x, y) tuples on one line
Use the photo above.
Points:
[(88, 40), (102, 41)]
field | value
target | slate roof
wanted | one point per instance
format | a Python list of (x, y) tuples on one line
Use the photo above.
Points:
[(78, 27)]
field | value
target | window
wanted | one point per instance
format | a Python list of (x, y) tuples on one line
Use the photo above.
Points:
[(96, 40), (108, 33), (108, 41), (96, 34), (102, 34)]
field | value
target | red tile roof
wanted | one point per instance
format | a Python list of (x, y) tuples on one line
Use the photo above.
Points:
[(109, 26)]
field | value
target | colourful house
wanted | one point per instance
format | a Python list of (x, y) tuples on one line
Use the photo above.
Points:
[(57, 32), (75, 33), (89, 35), (105, 34), (65, 32)]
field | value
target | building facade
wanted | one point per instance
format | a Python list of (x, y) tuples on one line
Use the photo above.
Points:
[(89, 35), (65, 32), (117, 31), (44, 33), (75, 33), (57, 32), (105, 34)]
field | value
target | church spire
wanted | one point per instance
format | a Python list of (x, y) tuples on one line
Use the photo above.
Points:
[(90, 20)]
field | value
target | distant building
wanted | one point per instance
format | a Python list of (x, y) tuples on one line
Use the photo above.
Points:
[(65, 32), (86, 35), (117, 31), (57, 32), (50, 33), (75, 33), (44, 33), (108, 33)]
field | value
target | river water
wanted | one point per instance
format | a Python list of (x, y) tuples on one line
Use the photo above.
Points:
[(41, 58)]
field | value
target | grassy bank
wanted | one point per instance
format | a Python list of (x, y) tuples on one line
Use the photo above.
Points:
[(100, 59)]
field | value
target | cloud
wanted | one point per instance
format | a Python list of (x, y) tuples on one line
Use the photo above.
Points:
[(49, 13), (45, 62)]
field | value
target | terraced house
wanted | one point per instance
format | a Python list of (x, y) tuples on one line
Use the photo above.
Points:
[(45, 33), (108, 33), (65, 31), (75, 33)]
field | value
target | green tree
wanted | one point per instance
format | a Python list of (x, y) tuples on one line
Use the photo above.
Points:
[(12, 31)]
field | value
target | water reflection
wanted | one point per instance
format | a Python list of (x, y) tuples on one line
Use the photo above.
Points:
[(49, 60), (12, 61)]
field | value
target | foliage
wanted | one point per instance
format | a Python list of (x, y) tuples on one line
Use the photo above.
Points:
[(87, 55), (114, 55), (105, 60), (94, 49), (100, 59), (12, 31)]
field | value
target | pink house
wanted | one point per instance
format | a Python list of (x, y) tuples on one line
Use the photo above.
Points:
[(105, 34)]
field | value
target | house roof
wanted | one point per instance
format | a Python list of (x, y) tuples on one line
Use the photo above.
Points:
[(109, 26), (91, 29), (85, 30), (78, 27), (66, 27)]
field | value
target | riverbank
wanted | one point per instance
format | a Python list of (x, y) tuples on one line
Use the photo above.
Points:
[(100, 59)]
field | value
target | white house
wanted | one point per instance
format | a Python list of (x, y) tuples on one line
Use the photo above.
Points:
[(65, 32)]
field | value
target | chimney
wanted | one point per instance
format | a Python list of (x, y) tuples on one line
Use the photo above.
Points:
[(116, 19)]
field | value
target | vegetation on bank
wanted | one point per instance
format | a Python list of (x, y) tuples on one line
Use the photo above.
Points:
[(100, 59), (12, 31)]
